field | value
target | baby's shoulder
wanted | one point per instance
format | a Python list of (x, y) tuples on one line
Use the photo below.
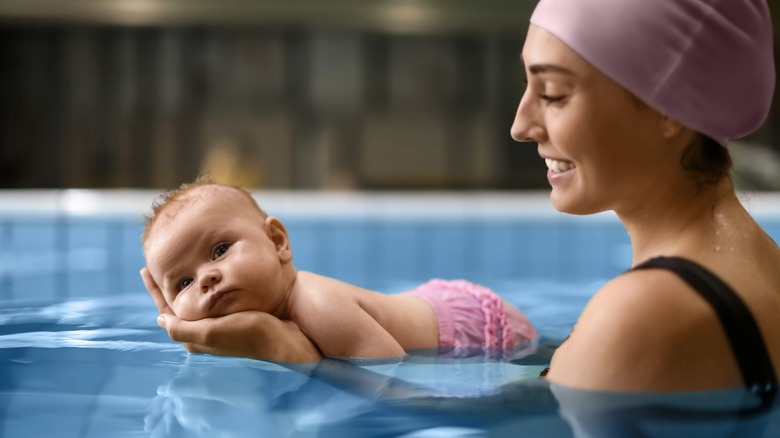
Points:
[(317, 294)]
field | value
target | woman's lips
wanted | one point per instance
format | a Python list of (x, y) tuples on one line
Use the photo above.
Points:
[(558, 170), (558, 166)]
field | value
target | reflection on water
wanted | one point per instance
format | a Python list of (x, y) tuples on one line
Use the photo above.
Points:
[(712, 414), (102, 368), (206, 398), (336, 398)]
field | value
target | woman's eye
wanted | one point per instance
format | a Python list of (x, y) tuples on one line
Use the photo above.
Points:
[(551, 99), (183, 284), (220, 250)]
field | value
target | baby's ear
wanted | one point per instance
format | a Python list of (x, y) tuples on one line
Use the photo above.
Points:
[(275, 230)]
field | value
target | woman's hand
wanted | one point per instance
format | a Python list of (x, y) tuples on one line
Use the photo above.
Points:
[(251, 334)]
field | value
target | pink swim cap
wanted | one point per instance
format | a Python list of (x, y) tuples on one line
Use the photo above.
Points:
[(709, 64)]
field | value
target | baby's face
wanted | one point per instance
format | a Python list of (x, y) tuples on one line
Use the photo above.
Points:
[(211, 255)]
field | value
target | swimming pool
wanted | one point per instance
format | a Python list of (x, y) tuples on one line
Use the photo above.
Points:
[(81, 355)]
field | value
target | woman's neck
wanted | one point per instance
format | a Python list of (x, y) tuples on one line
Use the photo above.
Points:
[(681, 222)]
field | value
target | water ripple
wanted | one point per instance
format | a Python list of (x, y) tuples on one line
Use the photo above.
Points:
[(86, 339)]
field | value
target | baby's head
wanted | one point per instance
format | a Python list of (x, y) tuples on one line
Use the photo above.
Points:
[(167, 204), (213, 251)]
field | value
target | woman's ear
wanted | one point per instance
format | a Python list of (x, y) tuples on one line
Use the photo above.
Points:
[(278, 235), (670, 128), (676, 134)]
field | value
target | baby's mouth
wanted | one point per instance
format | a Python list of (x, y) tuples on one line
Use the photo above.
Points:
[(216, 297)]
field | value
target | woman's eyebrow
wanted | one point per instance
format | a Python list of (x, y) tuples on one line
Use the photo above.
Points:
[(549, 68)]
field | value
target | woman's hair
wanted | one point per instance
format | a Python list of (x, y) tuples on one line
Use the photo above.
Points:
[(707, 159)]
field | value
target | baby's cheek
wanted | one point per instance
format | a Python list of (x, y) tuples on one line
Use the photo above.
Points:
[(188, 308)]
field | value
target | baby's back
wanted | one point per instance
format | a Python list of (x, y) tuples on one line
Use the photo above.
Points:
[(325, 308), (410, 320)]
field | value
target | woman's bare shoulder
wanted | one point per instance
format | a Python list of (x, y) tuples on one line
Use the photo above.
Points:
[(645, 331)]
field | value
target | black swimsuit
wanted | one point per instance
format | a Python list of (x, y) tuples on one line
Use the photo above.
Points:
[(743, 333)]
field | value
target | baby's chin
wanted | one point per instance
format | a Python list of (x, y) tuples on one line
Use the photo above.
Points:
[(192, 316)]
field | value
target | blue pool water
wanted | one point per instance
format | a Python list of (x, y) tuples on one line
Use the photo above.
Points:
[(81, 355)]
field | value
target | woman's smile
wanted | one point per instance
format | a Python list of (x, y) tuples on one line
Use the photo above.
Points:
[(557, 170)]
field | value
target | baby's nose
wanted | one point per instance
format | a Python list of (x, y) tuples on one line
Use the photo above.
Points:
[(209, 279)]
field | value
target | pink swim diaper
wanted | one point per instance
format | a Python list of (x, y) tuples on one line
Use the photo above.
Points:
[(473, 316)]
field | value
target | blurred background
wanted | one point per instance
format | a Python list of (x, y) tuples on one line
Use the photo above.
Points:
[(277, 94)]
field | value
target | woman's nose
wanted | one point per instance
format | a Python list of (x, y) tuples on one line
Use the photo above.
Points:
[(209, 279), (527, 126)]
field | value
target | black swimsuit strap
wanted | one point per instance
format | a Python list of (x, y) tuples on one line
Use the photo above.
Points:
[(741, 328)]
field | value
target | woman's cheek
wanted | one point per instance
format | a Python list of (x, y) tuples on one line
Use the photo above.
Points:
[(560, 126)]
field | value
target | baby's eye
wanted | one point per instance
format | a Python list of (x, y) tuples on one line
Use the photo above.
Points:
[(183, 283), (220, 250)]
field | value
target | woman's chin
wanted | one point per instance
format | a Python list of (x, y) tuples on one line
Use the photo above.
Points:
[(569, 204)]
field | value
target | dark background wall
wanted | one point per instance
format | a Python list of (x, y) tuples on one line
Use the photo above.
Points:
[(267, 94)]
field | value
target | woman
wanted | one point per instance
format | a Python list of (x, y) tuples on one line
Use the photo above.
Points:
[(631, 103)]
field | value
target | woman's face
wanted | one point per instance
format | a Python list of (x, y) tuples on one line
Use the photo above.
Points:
[(603, 147)]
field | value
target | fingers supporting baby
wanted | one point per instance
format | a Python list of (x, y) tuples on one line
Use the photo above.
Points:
[(185, 332), (247, 334), (155, 292)]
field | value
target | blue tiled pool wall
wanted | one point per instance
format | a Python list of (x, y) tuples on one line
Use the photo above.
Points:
[(56, 258), (53, 258), (478, 250)]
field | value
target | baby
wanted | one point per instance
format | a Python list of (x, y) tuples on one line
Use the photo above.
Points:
[(211, 251)]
